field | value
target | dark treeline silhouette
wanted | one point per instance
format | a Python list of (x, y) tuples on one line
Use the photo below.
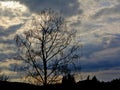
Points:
[(68, 82)]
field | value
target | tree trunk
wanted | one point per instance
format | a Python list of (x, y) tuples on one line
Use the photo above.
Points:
[(45, 72)]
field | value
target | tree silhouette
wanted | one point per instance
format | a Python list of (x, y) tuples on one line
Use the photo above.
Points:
[(94, 78), (68, 79), (47, 47), (3, 77), (88, 77)]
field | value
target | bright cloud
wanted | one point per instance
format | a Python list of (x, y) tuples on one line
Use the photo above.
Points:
[(13, 5), (12, 13)]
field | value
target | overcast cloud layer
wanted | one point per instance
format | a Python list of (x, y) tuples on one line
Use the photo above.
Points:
[(97, 22)]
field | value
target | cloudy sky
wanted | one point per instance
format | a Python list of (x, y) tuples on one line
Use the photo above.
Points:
[(97, 23)]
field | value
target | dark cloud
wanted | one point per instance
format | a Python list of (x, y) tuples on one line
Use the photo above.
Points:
[(89, 49), (114, 42), (9, 41), (102, 65), (107, 11), (92, 26), (67, 7), (18, 67), (10, 30), (110, 20), (76, 24), (5, 56), (95, 60)]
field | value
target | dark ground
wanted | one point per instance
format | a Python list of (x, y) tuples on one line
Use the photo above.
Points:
[(81, 85)]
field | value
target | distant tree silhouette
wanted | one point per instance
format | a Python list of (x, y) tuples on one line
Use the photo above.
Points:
[(88, 77), (4, 77), (68, 80), (47, 48), (94, 78)]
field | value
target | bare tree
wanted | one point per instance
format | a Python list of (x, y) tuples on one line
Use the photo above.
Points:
[(46, 47)]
